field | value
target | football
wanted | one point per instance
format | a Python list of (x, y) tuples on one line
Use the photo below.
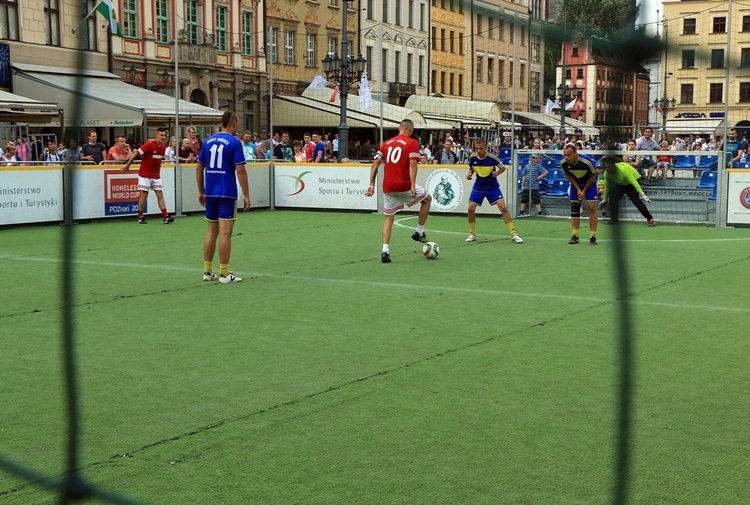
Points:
[(430, 250)]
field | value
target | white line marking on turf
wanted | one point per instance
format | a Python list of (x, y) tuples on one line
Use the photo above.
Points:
[(742, 310), (397, 222)]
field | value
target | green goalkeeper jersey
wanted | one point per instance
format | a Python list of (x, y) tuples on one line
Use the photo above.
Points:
[(624, 175)]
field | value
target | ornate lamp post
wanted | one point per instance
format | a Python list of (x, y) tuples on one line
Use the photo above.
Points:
[(564, 94), (665, 106), (339, 69)]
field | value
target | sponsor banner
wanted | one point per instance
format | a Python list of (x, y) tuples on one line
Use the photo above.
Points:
[(738, 204), (31, 196), (323, 187), (446, 188), (121, 193)]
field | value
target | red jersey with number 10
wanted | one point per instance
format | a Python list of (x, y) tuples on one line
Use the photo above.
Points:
[(152, 155), (396, 154)]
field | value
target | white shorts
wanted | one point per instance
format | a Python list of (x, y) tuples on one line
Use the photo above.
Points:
[(144, 184), (394, 202)]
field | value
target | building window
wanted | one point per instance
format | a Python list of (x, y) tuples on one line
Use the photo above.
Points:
[(162, 22), (716, 93), (422, 17), (409, 64), (90, 43), (460, 79), (745, 57), (688, 26), (568, 74), (192, 20), (368, 53), (411, 14), (579, 73), (221, 29), (490, 70), (452, 42), (442, 39), (311, 50), (501, 72), (452, 85), (370, 9), (248, 34), (397, 67), (511, 70), (479, 25), (536, 48), (451, 5), (434, 38), (433, 81), (398, 14), (442, 83), (534, 86), (688, 58), (460, 7), (8, 20), (745, 92), (501, 29), (720, 24), (717, 58), (51, 22), (746, 23), (479, 68), (523, 35), (332, 42), (522, 76), (385, 11), (384, 65), (272, 53), (461, 43), (420, 77), (289, 48), (130, 19), (574, 51), (686, 93)]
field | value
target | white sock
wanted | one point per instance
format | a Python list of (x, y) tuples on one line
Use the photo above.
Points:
[(386, 249), (420, 229)]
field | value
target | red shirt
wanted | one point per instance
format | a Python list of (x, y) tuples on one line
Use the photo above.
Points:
[(309, 148), (396, 154), (120, 152), (152, 155)]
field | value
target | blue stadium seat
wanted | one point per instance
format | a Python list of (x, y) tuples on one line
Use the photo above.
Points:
[(523, 159), (706, 162), (554, 174), (712, 198), (504, 152), (684, 161), (708, 180), (519, 183), (559, 187), (742, 164), (543, 186)]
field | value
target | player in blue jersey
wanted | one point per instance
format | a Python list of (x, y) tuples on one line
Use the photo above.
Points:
[(487, 167), (581, 172), (221, 157)]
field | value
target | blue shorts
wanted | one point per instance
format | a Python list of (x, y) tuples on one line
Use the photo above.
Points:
[(591, 194), (492, 196), (220, 208)]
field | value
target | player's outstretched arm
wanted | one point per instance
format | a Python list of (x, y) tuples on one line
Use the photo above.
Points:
[(373, 174), (242, 178)]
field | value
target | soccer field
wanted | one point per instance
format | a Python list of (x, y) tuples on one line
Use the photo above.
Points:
[(486, 376)]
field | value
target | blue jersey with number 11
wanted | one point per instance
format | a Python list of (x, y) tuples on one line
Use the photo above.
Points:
[(220, 154)]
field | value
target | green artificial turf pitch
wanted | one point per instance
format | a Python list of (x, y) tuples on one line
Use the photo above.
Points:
[(486, 376)]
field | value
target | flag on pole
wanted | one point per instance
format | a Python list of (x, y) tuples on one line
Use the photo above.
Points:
[(333, 95), (108, 12)]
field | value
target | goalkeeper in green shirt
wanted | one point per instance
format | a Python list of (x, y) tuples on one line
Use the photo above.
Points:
[(621, 179)]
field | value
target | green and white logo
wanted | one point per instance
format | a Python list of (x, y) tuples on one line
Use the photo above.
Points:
[(446, 189)]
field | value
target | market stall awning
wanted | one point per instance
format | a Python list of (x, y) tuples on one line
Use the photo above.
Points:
[(105, 100), (295, 110), (467, 111), (20, 109), (572, 126), (390, 112), (691, 126)]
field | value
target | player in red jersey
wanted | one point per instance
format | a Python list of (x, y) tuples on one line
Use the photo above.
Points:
[(400, 156), (149, 174)]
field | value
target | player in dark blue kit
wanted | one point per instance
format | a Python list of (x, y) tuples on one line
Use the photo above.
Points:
[(487, 167), (581, 172), (222, 156)]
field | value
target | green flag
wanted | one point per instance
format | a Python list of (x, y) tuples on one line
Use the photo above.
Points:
[(106, 9)]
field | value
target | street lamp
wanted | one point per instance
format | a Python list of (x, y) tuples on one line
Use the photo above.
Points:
[(338, 69), (665, 106), (564, 94)]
